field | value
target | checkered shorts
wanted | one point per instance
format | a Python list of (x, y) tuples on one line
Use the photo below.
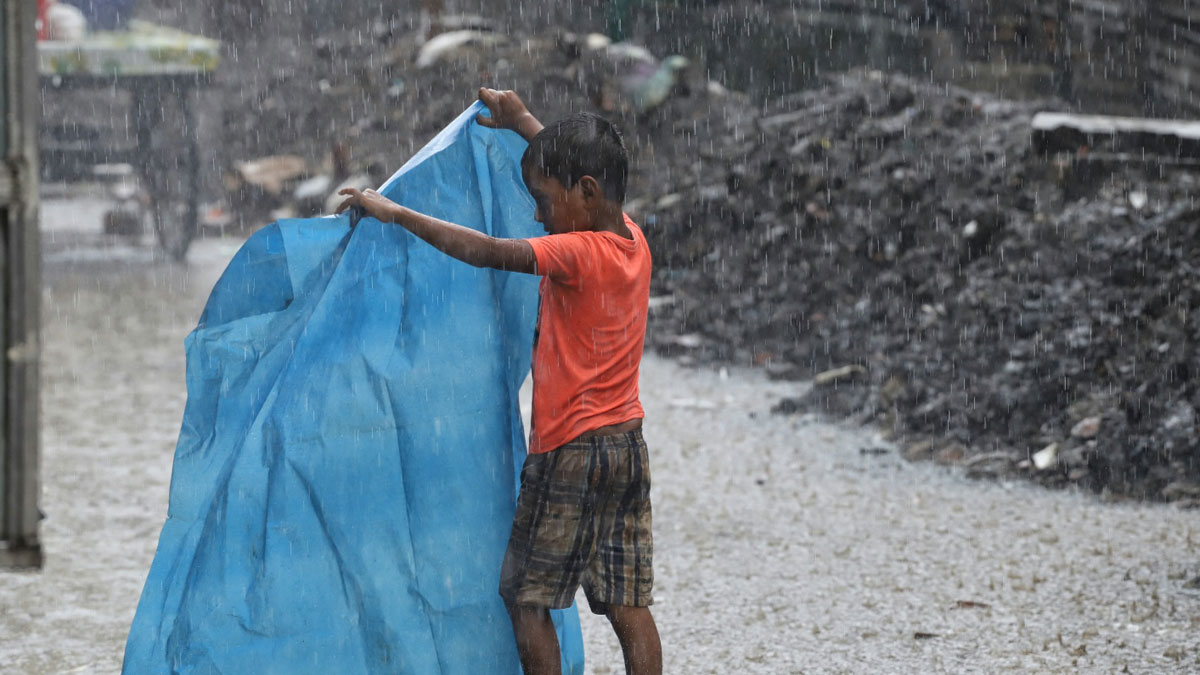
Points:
[(583, 516)]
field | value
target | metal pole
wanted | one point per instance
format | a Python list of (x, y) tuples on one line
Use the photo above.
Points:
[(19, 515)]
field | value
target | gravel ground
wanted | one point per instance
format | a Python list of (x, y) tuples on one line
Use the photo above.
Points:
[(785, 545)]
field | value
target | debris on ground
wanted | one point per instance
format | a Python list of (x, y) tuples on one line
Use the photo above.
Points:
[(911, 229)]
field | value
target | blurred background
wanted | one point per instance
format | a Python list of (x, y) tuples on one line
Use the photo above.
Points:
[(966, 229)]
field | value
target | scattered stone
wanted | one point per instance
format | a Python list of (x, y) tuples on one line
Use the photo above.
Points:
[(449, 45), (836, 375), (990, 465), (952, 453), (660, 301), (919, 451), (1046, 458), (667, 201), (1180, 491), (787, 406), (1087, 427), (689, 341), (971, 604)]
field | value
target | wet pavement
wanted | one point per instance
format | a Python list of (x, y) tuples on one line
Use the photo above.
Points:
[(784, 545)]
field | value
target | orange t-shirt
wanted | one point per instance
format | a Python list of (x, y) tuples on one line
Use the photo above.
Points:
[(595, 291)]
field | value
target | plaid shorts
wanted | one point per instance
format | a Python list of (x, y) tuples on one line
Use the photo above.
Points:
[(583, 516)]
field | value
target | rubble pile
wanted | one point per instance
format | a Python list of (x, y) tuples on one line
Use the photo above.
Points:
[(376, 96), (904, 244), (898, 240)]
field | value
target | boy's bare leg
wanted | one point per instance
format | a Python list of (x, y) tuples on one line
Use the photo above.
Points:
[(537, 641), (639, 639)]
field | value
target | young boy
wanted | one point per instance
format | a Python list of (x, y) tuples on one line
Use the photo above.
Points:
[(583, 514)]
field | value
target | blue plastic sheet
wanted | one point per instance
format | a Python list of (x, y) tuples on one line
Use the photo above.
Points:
[(346, 473)]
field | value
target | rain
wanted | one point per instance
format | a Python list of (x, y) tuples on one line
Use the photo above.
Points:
[(919, 371)]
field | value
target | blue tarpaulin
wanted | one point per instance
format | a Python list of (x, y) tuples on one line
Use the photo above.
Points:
[(347, 469)]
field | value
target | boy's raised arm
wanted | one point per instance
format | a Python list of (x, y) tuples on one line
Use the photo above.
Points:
[(508, 112), (470, 246)]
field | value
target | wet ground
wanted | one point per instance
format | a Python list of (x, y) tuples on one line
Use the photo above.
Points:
[(784, 545)]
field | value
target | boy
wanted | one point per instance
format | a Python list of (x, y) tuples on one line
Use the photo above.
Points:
[(583, 514)]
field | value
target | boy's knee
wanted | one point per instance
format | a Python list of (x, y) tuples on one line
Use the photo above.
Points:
[(625, 614), (527, 614)]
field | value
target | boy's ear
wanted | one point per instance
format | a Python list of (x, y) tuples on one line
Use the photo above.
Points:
[(590, 188)]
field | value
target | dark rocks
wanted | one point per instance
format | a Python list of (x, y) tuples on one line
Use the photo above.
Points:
[(909, 229)]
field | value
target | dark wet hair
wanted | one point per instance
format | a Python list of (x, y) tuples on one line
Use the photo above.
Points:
[(581, 145)]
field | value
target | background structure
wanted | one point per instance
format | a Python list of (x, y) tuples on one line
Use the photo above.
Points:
[(20, 288)]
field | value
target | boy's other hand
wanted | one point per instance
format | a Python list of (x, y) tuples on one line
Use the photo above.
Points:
[(370, 202), (508, 112)]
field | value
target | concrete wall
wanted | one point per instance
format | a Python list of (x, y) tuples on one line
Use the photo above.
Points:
[(1172, 57), (1129, 57), (1112, 56)]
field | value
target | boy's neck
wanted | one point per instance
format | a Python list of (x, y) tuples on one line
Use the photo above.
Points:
[(611, 218)]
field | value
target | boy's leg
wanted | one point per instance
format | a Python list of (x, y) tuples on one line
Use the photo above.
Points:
[(537, 641), (620, 578), (639, 639), (547, 552)]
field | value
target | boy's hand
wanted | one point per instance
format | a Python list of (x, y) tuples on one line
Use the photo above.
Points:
[(508, 112), (370, 202)]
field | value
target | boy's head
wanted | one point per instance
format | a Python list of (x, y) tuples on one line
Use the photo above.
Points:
[(575, 169)]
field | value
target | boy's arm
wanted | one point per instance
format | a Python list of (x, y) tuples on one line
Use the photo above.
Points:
[(472, 247)]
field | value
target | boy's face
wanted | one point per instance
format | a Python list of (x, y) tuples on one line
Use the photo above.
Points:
[(559, 210)]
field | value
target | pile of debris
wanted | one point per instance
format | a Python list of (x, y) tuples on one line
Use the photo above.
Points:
[(351, 106), (991, 305), (899, 240)]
